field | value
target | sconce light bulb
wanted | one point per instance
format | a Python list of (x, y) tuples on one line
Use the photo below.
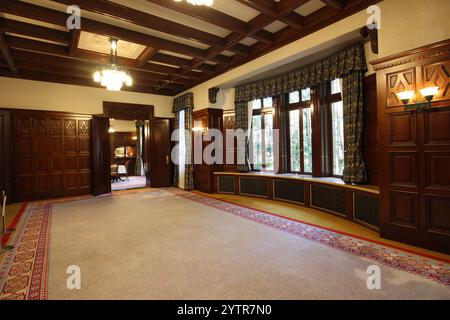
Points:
[(405, 96), (429, 92)]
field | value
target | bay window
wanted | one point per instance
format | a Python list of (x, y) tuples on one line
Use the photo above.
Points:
[(300, 131), (262, 134), (337, 127)]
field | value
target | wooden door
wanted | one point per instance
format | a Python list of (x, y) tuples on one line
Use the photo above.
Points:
[(101, 166), (158, 152), (4, 152)]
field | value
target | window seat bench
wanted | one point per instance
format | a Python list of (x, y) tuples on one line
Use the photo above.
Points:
[(359, 203)]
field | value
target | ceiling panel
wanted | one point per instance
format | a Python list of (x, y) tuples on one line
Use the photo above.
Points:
[(197, 45), (310, 7), (97, 43)]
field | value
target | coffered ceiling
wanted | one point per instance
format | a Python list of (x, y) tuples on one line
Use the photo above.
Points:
[(167, 46)]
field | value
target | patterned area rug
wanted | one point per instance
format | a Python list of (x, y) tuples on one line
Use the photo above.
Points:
[(24, 270), (132, 183)]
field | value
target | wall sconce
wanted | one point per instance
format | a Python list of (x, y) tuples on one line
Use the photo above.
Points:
[(111, 130), (198, 127), (427, 93)]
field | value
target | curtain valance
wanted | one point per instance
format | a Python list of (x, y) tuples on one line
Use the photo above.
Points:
[(346, 61), (186, 101)]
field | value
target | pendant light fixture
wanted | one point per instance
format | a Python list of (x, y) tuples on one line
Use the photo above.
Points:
[(112, 76)]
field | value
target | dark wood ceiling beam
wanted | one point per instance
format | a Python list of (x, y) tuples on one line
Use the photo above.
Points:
[(313, 22), (72, 80), (6, 53), (127, 14), (215, 17), (287, 6), (270, 9), (335, 4), (95, 58), (74, 40), (30, 30), (206, 14), (43, 63), (146, 55), (59, 18)]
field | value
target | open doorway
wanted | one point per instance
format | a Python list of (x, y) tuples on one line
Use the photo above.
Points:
[(126, 146), (143, 135)]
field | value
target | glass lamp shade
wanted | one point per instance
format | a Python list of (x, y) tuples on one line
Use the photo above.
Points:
[(429, 92), (406, 96), (201, 2), (113, 79)]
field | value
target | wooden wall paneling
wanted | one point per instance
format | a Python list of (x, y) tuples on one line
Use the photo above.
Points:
[(5, 153), (128, 111), (51, 154), (415, 149)]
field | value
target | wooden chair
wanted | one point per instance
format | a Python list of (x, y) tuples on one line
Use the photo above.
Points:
[(125, 174), (114, 173)]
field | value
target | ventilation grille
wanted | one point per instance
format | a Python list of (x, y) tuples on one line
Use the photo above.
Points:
[(253, 187), (289, 190), (327, 198), (226, 184), (367, 209)]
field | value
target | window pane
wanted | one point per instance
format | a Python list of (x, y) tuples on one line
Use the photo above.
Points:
[(337, 114), (267, 102), (294, 97), (294, 138), (306, 94), (257, 142), (335, 86), (268, 139), (256, 104), (307, 140)]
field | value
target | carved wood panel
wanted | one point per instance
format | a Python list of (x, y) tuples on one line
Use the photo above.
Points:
[(438, 74), (51, 155), (128, 111), (404, 80)]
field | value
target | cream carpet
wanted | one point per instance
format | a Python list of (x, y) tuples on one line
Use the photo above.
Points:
[(156, 245)]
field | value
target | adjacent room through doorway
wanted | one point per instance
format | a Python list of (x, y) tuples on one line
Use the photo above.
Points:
[(126, 145)]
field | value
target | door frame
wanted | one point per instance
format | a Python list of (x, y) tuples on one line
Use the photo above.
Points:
[(130, 112)]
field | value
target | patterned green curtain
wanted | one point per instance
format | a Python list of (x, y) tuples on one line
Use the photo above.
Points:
[(189, 167), (337, 65), (353, 99), (242, 122)]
